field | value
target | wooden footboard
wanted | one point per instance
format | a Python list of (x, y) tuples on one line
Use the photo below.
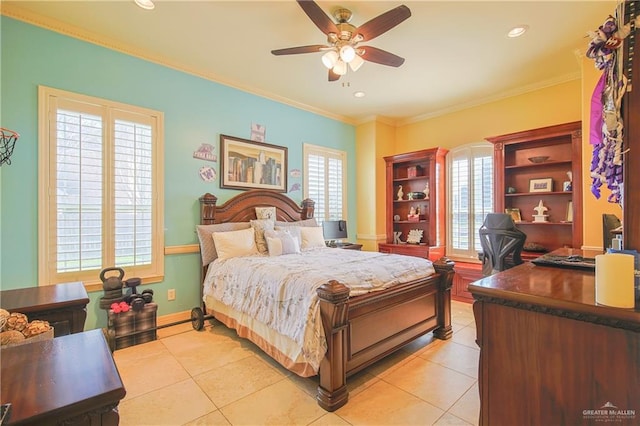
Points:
[(365, 329)]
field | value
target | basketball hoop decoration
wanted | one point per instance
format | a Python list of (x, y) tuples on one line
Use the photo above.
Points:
[(8, 140)]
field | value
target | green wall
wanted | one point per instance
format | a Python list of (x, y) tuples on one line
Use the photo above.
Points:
[(196, 111)]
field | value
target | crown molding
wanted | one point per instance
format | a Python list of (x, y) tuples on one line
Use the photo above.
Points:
[(12, 11)]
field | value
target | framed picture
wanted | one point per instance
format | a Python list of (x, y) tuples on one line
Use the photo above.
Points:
[(515, 214), (541, 185), (247, 164)]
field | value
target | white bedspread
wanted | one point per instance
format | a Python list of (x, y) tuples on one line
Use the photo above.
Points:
[(280, 291)]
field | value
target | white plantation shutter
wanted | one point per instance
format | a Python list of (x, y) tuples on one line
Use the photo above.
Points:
[(325, 177), (78, 191), (102, 201), (133, 193), (470, 195)]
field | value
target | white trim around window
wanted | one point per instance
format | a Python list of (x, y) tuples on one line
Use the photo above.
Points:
[(325, 181)]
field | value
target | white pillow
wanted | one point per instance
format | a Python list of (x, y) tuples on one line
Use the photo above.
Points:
[(281, 242), (207, 245), (235, 243), (294, 231), (311, 237)]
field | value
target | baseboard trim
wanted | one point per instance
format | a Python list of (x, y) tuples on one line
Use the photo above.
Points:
[(164, 320)]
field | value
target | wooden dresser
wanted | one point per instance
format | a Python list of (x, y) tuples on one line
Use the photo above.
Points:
[(549, 355)]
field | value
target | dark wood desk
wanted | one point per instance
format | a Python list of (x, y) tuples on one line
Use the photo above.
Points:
[(549, 354), (71, 379), (63, 305)]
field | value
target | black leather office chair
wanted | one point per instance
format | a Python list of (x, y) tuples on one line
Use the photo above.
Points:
[(501, 243), (610, 222)]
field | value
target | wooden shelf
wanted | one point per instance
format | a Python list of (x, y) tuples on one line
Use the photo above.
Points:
[(431, 165), (563, 145)]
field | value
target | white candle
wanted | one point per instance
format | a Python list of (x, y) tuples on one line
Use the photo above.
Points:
[(614, 280)]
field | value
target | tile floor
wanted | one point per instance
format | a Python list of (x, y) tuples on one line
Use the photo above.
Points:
[(212, 377)]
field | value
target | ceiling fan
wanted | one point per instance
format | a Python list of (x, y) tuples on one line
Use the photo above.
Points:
[(343, 39)]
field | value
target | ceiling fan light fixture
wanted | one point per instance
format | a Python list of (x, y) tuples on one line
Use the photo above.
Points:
[(347, 53), (356, 63), (145, 4), (340, 68), (330, 58)]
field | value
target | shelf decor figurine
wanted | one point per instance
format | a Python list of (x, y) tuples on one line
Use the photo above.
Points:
[(567, 186), (426, 191), (396, 237), (400, 194), (541, 209), (414, 237)]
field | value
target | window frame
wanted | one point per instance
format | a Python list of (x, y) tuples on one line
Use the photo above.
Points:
[(309, 149), (110, 111), (473, 150)]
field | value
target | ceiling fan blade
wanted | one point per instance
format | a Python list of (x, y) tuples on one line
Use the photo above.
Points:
[(300, 49), (379, 56), (383, 23), (318, 16), (333, 76)]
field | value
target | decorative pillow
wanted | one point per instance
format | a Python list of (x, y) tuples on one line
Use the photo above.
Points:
[(306, 222), (235, 243), (312, 237), (207, 246), (261, 225), (294, 231), (266, 213), (281, 242)]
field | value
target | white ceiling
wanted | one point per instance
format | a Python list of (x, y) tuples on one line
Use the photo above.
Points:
[(457, 53)]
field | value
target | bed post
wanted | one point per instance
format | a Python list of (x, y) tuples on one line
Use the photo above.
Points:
[(444, 266), (208, 209), (308, 208), (332, 391)]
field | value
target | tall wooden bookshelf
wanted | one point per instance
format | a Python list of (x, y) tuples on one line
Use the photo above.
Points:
[(415, 172), (544, 157)]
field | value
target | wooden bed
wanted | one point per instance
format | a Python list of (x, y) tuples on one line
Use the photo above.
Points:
[(359, 330)]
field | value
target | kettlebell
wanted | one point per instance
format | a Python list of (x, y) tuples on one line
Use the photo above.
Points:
[(113, 282)]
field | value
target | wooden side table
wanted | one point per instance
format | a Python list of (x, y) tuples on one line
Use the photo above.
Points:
[(63, 305), (70, 380)]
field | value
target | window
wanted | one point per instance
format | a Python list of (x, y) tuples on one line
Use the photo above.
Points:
[(470, 195), (325, 178), (100, 189)]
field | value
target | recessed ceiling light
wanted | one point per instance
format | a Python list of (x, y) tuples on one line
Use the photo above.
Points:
[(517, 31), (359, 94), (145, 4)]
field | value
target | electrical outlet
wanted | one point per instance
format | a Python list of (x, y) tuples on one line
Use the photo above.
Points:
[(171, 294)]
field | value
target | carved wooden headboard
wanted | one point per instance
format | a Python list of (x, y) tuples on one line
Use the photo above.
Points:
[(241, 208)]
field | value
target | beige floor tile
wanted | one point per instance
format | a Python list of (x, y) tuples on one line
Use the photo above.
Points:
[(236, 380), (329, 419), (137, 353), (433, 383), (212, 419), (172, 405), (468, 407), (455, 356), (450, 419), (201, 351), (360, 381), (385, 404), (280, 404), (466, 336), (149, 372), (389, 363)]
